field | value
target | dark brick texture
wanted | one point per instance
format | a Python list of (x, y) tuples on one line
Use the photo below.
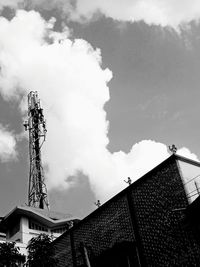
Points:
[(144, 225)]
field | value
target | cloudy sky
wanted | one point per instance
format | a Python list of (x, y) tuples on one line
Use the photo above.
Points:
[(118, 82)]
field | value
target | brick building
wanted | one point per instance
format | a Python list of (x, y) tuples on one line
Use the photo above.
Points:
[(153, 222)]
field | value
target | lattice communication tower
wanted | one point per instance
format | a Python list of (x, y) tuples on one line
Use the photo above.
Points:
[(37, 191)]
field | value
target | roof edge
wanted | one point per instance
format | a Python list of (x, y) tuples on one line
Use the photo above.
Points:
[(20, 210)]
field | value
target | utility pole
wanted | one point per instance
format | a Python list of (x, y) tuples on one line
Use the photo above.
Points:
[(37, 191)]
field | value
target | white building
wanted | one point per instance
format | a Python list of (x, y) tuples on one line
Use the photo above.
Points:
[(24, 222)]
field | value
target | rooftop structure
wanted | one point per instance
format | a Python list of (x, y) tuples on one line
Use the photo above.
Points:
[(23, 223), (155, 221)]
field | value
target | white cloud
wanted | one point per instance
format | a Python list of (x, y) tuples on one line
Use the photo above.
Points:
[(7, 145), (185, 152), (10, 3), (159, 12), (73, 89)]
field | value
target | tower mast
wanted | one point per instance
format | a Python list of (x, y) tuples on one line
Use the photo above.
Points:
[(37, 191)]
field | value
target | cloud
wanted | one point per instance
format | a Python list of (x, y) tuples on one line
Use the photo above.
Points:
[(7, 145), (73, 88), (65, 6), (185, 152), (159, 12), (71, 84), (10, 3)]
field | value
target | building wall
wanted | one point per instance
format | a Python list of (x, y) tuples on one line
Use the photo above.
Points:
[(157, 203), (24, 234), (112, 224), (143, 225), (2, 236), (29, 233), (64, 251)]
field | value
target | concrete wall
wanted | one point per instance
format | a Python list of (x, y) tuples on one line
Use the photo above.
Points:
[(25, 234)]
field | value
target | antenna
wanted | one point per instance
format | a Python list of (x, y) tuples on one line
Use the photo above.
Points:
[(37, 191)]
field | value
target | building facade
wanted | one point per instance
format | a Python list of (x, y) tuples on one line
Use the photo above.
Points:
[(24, 222), (152, 222)]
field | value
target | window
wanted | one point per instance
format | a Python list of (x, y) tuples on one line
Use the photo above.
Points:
[(37, 226)]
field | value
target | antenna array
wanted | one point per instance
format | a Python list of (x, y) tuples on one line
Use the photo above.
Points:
[(36, 125)]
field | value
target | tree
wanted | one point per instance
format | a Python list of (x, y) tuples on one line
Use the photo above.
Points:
[(9, 255), (41, 252)]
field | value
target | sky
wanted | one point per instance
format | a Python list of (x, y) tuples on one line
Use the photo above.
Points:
[(118, 82)]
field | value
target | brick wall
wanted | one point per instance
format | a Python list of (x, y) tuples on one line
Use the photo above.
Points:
[(101, 231), (107, 226), (157, 201), (146, 216), (63, 251)]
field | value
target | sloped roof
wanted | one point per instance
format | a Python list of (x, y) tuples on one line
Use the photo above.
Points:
[(46, 217), (54, 215), (173, 157)]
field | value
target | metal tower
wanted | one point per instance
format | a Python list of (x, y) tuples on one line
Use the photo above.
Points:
[(37, 191)]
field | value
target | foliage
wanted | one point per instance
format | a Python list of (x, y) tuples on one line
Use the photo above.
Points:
[(9, 254), (41, 252)]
